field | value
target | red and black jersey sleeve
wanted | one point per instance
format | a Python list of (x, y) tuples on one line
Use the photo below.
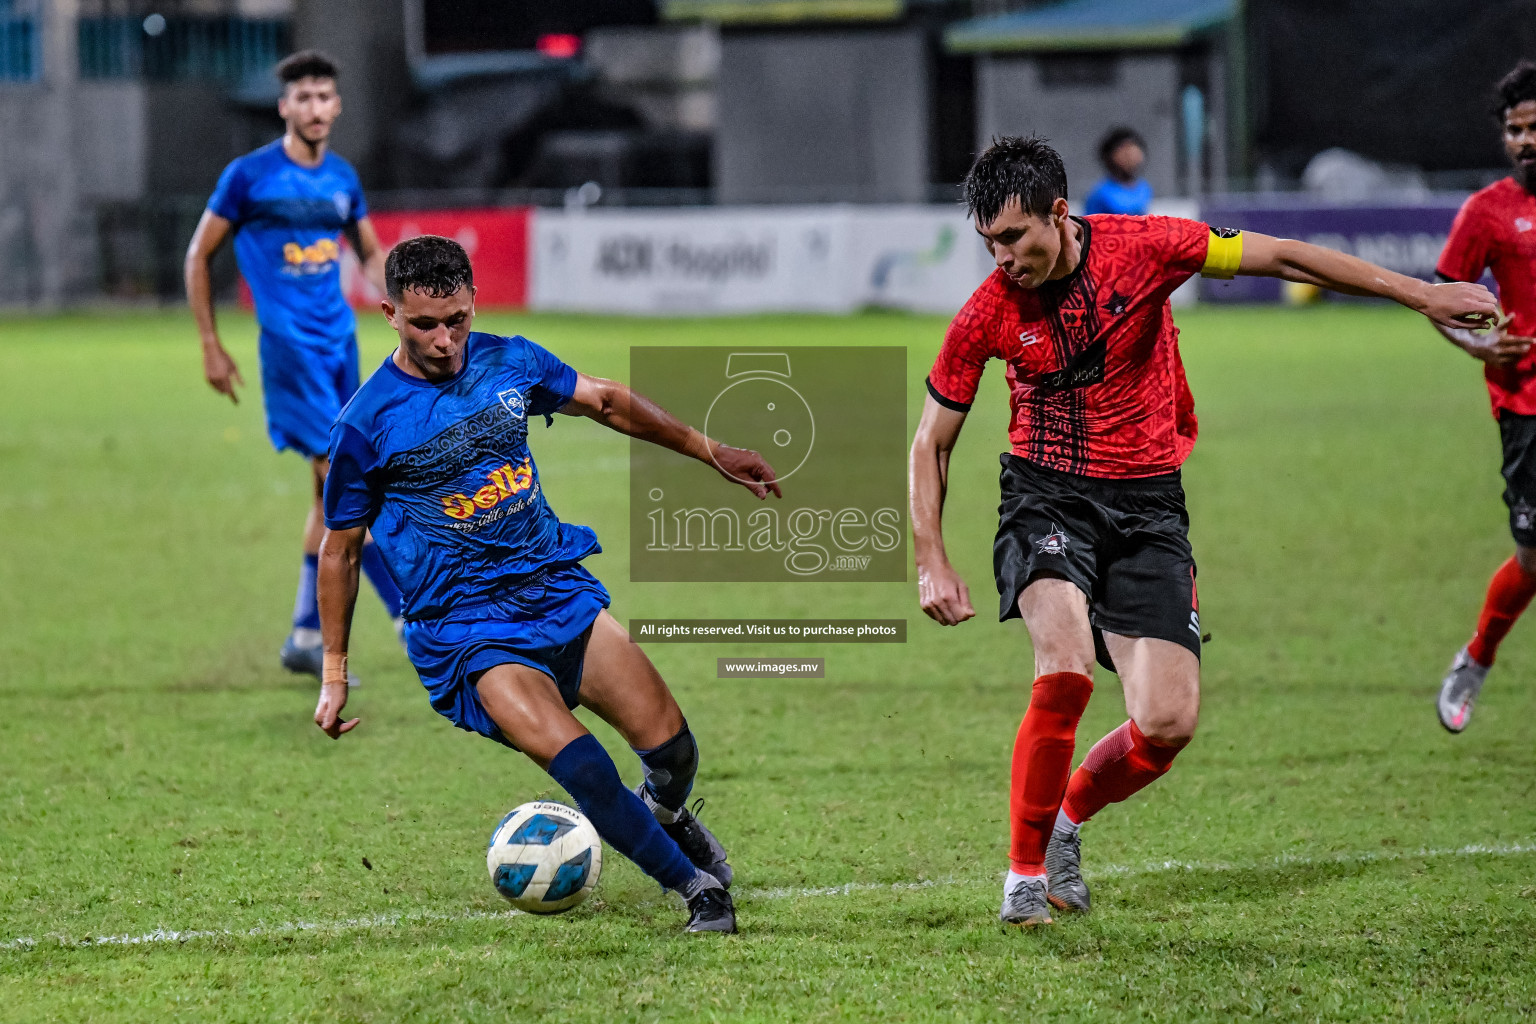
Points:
[(1181, 245), (1156, 253), (968, 344), (1467, 248)]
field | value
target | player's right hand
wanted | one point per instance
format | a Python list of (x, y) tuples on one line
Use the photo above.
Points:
[(746, 467), (943, 595), (333, 697), (220, 370), (1458, 304)]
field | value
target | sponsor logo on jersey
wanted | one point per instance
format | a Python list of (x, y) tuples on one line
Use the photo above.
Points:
[(311, 259), (505, 483)]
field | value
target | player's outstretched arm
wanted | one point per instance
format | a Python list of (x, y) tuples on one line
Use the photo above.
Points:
[(218, 366), (614, 405), (1454, 304), (341, 552), (940, 590)]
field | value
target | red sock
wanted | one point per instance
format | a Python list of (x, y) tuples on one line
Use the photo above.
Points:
[(1042, 759), (1118, 765), (1509, 592)]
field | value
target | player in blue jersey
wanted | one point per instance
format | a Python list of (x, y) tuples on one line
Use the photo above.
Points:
[(1123, 190), (505, 627), (288, 205)]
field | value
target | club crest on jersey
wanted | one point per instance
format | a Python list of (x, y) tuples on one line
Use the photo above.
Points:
[(343, 204), (505, 483), (1116, 304), (512, 400), (1053, 543), (1522, 224)]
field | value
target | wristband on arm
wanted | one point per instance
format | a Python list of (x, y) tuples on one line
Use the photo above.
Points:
[(334, 668)]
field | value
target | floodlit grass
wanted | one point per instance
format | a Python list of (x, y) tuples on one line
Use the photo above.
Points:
[(159, 771)]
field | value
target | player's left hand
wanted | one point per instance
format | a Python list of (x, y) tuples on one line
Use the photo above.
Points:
[(220, 371), (1457, 304), (744, 466), (333, 697), (1498, 347)]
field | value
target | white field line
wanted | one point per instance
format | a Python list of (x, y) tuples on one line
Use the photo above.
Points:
[(166, 935)]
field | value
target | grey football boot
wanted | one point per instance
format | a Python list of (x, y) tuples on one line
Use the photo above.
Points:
[(698, 843), (1063, 870), (1026, 904), (711, 910), (1459, 690)]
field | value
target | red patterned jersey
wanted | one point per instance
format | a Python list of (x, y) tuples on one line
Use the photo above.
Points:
[(1496, 229), (1096, 384)]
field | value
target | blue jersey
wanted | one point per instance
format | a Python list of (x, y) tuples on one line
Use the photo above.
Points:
[(1111, 196), (441, 473), (288, 223)]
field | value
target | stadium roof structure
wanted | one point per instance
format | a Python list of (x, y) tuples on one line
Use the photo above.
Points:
[(781, 12), (1092, 25)]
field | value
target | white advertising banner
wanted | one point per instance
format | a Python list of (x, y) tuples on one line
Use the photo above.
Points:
[(831, 259), (928, 259), (811, 259), (703, 260)]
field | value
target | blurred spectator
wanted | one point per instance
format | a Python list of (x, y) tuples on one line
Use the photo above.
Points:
[(1122, 152)]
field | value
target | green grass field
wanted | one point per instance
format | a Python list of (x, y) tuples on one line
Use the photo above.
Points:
[(1323, 851)]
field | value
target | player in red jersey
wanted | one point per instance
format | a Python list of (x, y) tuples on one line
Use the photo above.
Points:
[(1496, 230), (1092, 547)]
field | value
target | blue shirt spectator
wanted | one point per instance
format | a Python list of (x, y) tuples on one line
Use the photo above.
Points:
[(1123, 153)]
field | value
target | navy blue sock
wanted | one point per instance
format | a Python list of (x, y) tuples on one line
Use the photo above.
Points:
[(383, 582), (670, 768), (306, 607), (586, 772)]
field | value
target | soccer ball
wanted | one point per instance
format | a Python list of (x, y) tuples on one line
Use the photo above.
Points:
[(544, 857)]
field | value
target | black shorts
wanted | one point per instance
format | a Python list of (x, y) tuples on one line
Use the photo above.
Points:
[(1518, 434), (1125, 543)]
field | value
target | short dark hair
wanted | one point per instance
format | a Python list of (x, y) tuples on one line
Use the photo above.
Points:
[(1015, 167), (432, 264), (1116, 138), (305, 64), (1515, 88)]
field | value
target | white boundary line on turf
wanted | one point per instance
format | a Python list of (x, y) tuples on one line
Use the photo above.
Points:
[(165, 936)]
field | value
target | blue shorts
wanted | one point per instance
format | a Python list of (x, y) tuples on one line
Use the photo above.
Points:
[(304, 387), (542, 623)]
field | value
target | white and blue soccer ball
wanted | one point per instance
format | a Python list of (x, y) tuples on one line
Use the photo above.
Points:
[(544, 857)]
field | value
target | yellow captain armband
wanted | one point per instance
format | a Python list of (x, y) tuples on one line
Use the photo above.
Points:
[(1224, 254)]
